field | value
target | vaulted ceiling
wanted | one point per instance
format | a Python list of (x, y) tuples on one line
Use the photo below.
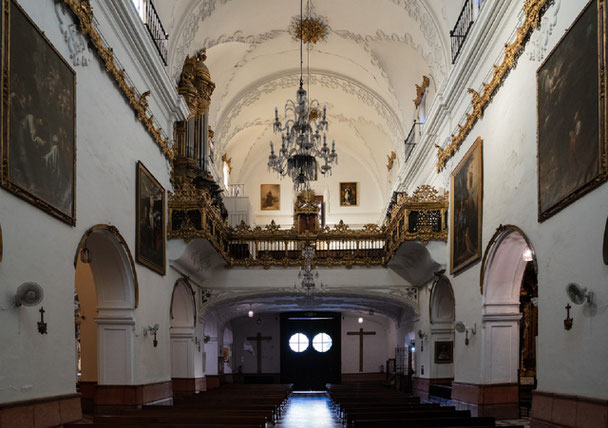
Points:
[(365, 70)]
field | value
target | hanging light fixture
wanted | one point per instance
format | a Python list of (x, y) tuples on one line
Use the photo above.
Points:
[(301, 145), (308, 277)]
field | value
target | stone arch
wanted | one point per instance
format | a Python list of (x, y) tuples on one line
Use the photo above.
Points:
[(502, 272), (107, 288)]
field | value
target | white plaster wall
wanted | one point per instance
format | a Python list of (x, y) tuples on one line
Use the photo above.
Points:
[(350, 169), (39, 248), (375, 347), (245, 360), (423, 347), (567, 246)]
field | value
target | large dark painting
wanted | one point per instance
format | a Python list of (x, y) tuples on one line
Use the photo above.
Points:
[(465, 215), (38, 138), (571, 117), (150, 244)]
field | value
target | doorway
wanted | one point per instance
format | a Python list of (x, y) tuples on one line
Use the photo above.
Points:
[(310, 349)]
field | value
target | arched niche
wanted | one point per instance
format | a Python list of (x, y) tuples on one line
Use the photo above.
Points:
[(507, 257), (442, 306), (183, 305), (106, 284), (184, 348)]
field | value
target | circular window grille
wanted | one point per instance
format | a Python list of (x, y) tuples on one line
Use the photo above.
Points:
[(322, 342), (298, 342)]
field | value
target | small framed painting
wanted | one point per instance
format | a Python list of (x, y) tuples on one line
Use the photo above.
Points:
[(349, 194), (465, 214), (444, 352), (150, 239), (270, 197)]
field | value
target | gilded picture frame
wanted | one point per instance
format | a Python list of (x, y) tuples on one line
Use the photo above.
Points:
[(270, 197), (38, 150), (150, 240), (349, 194), (571, 109), (466, 197), (444, 352)]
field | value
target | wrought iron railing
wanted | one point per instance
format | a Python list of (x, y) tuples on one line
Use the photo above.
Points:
[(463, 24), (411, 140), (155, 28), (421, 216)]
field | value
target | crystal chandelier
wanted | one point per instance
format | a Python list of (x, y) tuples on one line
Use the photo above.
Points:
[(303, 137), (308, 277)]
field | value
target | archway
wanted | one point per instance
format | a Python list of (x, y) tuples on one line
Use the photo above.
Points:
[(186, 370), (106, 291), (509, 286), (442, 308)]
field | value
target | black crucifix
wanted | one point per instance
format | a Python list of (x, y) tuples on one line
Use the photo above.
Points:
[(361, 333), (258, 338)]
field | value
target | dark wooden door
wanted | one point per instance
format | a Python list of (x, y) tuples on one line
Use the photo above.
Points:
[(310, 369)]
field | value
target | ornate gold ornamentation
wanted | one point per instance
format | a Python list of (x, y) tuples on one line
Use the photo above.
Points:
[(310, 30), (83, 12), (336, 246), (420, 90), (195, 83), (391, 160), (227, 161), (533, 10)]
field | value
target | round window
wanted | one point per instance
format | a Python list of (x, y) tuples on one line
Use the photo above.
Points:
[(298, 342), (322, 342)]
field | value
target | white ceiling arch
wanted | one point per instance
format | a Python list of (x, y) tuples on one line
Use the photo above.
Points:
[(366, 69)]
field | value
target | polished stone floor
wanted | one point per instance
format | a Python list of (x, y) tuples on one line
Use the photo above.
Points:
[(309, 410)]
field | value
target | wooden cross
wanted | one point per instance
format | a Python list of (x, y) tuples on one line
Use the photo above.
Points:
[(361, 333), (258, 338)]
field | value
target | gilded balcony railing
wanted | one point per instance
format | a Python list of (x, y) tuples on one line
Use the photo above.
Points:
[(421, 216)]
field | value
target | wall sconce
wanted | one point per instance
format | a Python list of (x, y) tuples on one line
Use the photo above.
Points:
[(153, 330), (421, 335), (250, 314), (41, 324), (579, 296), (461, 328), (360, 320), (568, 321)]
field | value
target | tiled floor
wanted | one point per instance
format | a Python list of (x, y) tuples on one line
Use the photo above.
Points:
[(309, 410), (312, 410), (525, 422)]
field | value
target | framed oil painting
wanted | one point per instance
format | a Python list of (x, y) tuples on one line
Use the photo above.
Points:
[(466, 184), (270, 197), (150, 239), (444, 352), (572, 116), (349, 194), (38, 118)]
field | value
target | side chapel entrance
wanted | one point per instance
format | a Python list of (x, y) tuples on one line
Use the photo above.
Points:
[(510, 316), (105, 299)]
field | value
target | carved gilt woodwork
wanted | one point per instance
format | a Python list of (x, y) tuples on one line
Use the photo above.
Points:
[(533, 10), (192, 214), (420, 89), (83, 12), (391, 160)]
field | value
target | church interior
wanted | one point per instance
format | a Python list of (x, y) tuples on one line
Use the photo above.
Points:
[(257, 213)]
